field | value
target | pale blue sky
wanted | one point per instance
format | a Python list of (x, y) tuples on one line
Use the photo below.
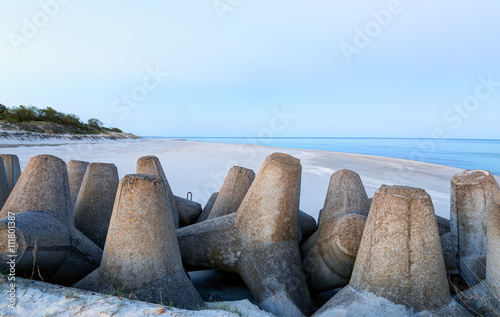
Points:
[(228, 77)]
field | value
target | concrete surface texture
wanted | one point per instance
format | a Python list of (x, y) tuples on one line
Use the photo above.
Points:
[(259, 241), (234, 189), (76, 172), (484, 298), (41, 204), (471, 193), (94, 205), (12, 168), (346, 194), (142, 255), (399, 262)]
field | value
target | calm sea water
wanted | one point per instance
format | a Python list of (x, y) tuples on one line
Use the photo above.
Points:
[(467, 154)]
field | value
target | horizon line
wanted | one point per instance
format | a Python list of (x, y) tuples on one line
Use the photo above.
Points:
[(314, 137)]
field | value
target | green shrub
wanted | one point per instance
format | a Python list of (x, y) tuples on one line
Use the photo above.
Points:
[(94, 123), (32, 114)]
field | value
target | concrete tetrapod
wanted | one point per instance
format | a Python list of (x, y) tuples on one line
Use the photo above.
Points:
[(95, 201), (142, 254), (449, 254), (346, 194), (443, 225), (34, 229), (43, 186), (208, 208), (184, 211), (307, 226), (12, 168), (399, 269), (5, 187), (259, 241), (189, 211), (471, 193), (76, 172), (232, 192), (329, 255), (41, 205), (484, 298)]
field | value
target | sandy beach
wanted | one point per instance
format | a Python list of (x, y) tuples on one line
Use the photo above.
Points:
[(200, 168)]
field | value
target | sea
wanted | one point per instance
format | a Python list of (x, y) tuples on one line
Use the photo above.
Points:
[(461, 153)]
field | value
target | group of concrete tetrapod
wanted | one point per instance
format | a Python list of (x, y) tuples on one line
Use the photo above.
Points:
[(79, 225)]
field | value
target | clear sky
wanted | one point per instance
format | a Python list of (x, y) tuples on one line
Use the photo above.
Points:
[(248, 68)]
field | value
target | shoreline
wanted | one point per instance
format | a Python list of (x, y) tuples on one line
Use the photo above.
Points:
[(457, 153), (201, 167), (97, 138), (14, 137)]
